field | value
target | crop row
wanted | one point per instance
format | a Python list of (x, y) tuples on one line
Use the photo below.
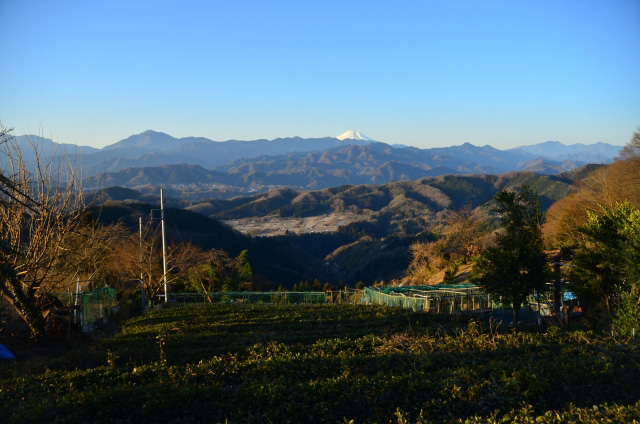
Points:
[(320, 363)]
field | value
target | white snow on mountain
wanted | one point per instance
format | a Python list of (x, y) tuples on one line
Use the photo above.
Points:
[(353, 135)]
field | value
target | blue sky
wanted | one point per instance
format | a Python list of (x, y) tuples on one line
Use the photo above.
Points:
[(422, 73)]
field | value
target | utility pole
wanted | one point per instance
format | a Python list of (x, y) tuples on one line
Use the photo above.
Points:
[(557, 287), (144, 301), (164, 251), (76, 300)]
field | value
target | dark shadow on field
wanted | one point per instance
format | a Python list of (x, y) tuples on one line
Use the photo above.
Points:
[(324, 363), (189, 338), (365, 380), (442, 384)]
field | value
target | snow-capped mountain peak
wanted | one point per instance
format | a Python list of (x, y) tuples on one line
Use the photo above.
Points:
[(353, 135)]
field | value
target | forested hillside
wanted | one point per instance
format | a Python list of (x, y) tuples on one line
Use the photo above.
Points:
[(424, 196), (273, 261)]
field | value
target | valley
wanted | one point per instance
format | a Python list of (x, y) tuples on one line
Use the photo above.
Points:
[(271, 226), (348, 233)]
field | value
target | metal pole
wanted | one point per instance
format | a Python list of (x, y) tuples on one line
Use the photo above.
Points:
[(557, 288), (164, 251), (76, 300), (144, 301)]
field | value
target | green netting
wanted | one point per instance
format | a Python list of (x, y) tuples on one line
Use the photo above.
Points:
[(438, 299), (404, 289), (93, 306), (249, 297), (98, 304)]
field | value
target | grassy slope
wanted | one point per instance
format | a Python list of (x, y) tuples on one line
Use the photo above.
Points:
[(293, 363)]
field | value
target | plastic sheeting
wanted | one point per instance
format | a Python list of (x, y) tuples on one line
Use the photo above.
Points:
[(5, 353)]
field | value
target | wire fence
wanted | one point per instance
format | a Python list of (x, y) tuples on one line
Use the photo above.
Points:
[(249, 297), (445, 299), (275, 297), (441, 299)]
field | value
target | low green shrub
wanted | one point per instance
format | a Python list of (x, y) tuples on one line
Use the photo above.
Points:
[(327, 363)]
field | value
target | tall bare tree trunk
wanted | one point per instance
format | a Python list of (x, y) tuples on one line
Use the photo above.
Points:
[(24, 303)]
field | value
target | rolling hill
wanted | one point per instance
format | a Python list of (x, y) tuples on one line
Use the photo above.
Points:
[(426, 195)]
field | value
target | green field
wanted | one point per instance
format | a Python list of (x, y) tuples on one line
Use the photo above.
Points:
[(325, 363)]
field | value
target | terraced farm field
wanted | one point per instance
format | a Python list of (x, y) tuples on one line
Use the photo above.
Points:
[(325, 363)]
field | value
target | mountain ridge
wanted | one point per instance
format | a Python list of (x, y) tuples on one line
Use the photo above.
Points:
[(318, 162)]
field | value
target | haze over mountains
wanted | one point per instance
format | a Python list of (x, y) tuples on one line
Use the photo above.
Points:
[(158, 159), (592, 153)]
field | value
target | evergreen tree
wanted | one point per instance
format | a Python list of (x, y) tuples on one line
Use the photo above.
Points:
[(607, 261), (243, 268), (243, 272), (451, 272), (517, 266)]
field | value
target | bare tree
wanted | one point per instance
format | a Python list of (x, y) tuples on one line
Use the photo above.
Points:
[(41, 208), (607, 186), (632, 150), (136, 257), (461, 237)]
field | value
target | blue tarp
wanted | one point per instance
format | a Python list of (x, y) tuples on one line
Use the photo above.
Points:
[(5, 354)]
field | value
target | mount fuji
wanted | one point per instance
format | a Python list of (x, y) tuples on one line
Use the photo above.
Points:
[(353, 135)]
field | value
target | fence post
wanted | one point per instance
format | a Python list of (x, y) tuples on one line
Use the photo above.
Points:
[(75, 302)]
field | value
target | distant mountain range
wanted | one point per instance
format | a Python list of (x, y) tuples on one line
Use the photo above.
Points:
[(586, 153), (156, 159), (154, 149)]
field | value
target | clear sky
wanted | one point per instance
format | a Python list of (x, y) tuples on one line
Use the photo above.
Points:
[(422, 73)]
